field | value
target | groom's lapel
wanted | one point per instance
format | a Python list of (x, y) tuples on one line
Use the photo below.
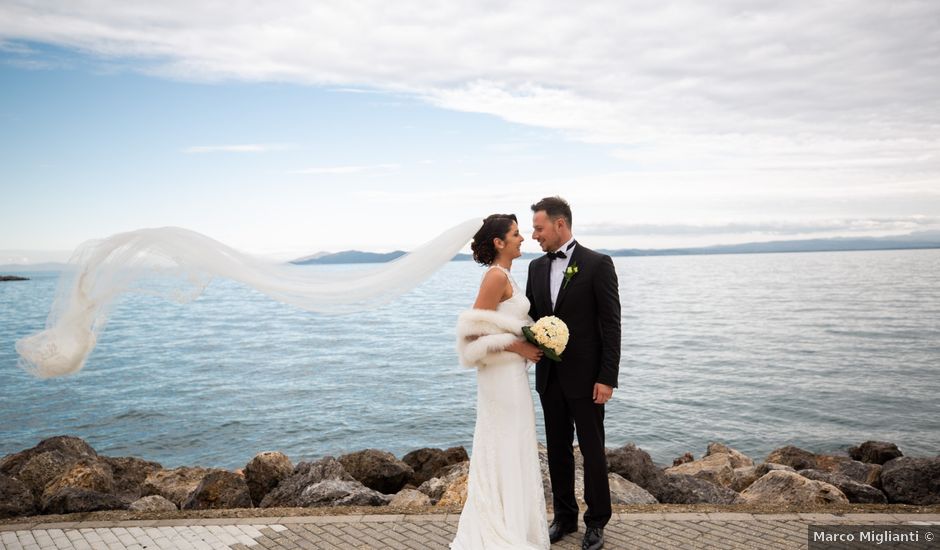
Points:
[(563, 291), (545, 296)]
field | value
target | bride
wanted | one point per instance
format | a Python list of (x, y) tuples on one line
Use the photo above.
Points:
[(505, 507)]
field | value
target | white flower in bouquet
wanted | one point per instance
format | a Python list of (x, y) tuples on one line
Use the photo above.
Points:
[(550, 334)]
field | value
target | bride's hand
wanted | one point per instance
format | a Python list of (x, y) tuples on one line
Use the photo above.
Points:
[(527, 350)]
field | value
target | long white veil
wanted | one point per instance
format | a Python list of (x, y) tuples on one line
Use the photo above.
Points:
[(100, 271)]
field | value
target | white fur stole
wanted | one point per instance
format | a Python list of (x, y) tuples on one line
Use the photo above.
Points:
[(484, 334)]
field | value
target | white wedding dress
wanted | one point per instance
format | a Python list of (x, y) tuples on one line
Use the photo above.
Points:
[(505, 506)]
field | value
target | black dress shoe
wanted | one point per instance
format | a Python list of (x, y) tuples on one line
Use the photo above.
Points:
[(593, 538), (557, 530)]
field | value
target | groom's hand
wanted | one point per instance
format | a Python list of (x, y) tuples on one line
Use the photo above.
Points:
[(602, 393)]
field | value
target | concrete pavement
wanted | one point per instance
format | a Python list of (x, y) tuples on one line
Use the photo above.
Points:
[(627, 530)]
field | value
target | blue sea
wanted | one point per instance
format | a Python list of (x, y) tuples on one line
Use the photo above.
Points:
[(819, 350)]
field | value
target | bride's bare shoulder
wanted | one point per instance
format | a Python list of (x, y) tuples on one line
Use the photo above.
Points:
[(494, 276), (493, 288)]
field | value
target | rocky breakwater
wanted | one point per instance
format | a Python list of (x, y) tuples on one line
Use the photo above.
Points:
[(871, 473), (66, 475)]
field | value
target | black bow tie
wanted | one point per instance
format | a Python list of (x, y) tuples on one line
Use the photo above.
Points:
[(552, 256)]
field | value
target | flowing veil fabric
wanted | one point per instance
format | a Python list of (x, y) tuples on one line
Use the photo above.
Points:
[(100, 271)]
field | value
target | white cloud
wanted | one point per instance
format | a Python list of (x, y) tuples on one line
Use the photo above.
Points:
[(338, 170), (683, 73), (798, 110), (770, 227), (243, 148), (15, 48)]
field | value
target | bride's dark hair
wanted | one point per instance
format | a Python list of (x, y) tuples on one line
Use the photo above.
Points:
[(495, 226)]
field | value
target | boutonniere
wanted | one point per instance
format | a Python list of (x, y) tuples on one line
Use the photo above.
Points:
[(570, 272)]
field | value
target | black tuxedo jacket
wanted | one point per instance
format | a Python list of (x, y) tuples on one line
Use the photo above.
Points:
[(590, 306)]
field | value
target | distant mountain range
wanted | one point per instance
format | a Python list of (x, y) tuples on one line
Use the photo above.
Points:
[(349, 257), (921, 239)]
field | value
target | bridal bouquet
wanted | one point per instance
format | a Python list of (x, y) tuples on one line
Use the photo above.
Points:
[(550, 334)]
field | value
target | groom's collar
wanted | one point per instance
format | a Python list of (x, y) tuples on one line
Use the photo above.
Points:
[(567, 246)]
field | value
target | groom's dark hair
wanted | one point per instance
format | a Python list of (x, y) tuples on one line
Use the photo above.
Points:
[(554, 207)]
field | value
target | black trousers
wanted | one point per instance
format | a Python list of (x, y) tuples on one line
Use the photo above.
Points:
[(562, 416)]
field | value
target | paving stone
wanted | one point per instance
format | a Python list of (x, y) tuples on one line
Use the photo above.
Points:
[(723, 530)]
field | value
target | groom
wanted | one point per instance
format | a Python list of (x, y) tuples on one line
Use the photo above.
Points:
[(579, 286)]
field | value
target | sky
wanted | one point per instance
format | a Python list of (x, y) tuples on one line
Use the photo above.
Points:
[(289, 128)]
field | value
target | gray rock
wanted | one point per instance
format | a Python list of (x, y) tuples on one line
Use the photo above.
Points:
[(633, 464), (378, 470), (69, 446), (437, 487), (289, 491), (129, 474), (627, 492), (684, 459), (15, 498), (794, 457), (42, 468), (875, 452), (427, 462), (744, 477), (791, 489), (456, 493), (862, 472), (578, 475), (737, 458), (410, 498), (153, 503), (434, 488), (767, 467), (912, 480), (71, 500), (219, 489), (854, 491), (686, 489), (87, 473), (546, 475), (264, 472), (334, 492), (714, 468), (174, 485)]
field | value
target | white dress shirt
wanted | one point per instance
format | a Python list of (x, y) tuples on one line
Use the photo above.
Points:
[(557, 271)]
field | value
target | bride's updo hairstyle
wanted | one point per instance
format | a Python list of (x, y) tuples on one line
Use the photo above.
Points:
[(496, 226)]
